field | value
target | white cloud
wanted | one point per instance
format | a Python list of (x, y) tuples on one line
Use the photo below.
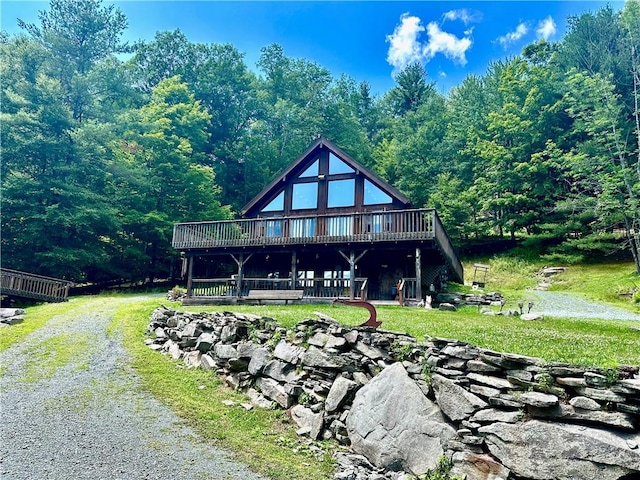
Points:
[(546, 28), (464, 15), (512, 37), (406, 47), (449, 45)]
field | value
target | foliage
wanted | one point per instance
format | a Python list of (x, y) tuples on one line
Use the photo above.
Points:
[(102, 156)]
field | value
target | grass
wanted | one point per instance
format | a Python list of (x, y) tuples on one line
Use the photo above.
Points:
[(262, 439), (48, 356), (36, 317)]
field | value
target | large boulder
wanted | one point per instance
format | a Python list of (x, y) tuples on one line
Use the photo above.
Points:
[(542, 450), (395, 426)]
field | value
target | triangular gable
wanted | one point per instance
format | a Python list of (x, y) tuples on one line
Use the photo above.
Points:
[(305, 163)]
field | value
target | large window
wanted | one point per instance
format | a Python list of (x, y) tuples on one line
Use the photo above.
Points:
[(342, 193), (305, 195), (374, 195), (275, 205)]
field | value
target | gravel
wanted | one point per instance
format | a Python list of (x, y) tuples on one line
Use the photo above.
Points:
[(90, 419), (555, 304)]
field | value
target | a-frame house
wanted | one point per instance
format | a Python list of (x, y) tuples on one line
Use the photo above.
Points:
[(327, 226)]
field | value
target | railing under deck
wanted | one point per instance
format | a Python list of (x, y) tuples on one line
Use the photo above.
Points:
[(369, 227)]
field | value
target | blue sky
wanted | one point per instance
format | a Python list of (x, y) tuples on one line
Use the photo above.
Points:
[(366, 40)]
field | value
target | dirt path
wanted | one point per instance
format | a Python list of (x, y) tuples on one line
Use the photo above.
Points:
[(86, 417)]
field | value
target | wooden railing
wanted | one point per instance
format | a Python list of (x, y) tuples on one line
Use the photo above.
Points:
[(392, 225), (37, 287), (370, 227), (312, 287)]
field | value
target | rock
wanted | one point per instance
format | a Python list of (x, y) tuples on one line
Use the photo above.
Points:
[(340, 390), (494, 382), (568, 412), (491, 415), (584, 403), (192, 359), (454, 401), (205, 342), (479, 366), (537, 399), (280, 371), (310, 423), (532, 317), (273, 390), (447, 307), (259, 359), (477, 467), (207, 362), (334, 342), (224, 352), (395, 426), (542, 450), (288, 352), (371, 352), (259, 400)]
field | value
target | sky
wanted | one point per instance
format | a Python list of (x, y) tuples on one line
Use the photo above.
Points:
[(367, 40)]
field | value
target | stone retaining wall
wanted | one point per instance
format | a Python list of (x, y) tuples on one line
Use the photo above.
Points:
[(401, 405)]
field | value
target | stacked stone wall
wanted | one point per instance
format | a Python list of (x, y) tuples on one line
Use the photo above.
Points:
[(402, 404)]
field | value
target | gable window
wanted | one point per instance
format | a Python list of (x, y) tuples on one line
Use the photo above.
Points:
[(337, 166), (373, 195), (275, 205), (342, 193), (305, 195), (311, 171)]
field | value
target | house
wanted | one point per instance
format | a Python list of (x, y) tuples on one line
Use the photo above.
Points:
[(326, 226)]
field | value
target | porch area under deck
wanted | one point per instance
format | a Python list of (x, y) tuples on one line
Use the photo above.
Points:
[(390, 255)]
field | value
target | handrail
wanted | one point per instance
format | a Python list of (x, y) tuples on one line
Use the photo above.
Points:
[(391, 225), (37, 287)]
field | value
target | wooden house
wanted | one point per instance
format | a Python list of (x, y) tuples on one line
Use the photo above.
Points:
[(326, 227)]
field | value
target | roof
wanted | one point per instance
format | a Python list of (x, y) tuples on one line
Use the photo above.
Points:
[(308, 155)]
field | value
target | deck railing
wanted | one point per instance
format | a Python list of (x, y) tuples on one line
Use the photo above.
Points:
[(312, 287), (355, 227), (369, 227), (37, 287)]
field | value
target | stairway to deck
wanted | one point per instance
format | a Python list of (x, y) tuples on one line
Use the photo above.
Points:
[(31, 286)]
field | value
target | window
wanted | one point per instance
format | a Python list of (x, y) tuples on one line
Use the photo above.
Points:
[(312, 171), (303, 227), (273, 228), (305, 195), (337, 226), (342, 193), (275, 205), (374, 195), (337, 166)]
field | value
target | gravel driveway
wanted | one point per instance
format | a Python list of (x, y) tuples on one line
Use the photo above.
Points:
[(89, 419), (556, 304)]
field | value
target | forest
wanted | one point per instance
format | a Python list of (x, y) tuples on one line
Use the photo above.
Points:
[(106, 145)]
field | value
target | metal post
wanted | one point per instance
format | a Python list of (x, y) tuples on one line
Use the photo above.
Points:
[(352, 274)]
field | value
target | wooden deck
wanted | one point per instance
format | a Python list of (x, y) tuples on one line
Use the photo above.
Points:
[(36, 287), (350, 228)]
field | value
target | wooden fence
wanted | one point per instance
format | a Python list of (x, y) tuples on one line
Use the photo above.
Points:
[(36, 287)]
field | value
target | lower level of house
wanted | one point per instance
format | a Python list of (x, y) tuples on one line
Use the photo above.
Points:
[(395, 271)]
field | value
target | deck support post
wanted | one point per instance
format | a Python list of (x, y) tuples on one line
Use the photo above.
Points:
[(294, 269), (189, 276), (240, 261), (418, 273), (353, 260)]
